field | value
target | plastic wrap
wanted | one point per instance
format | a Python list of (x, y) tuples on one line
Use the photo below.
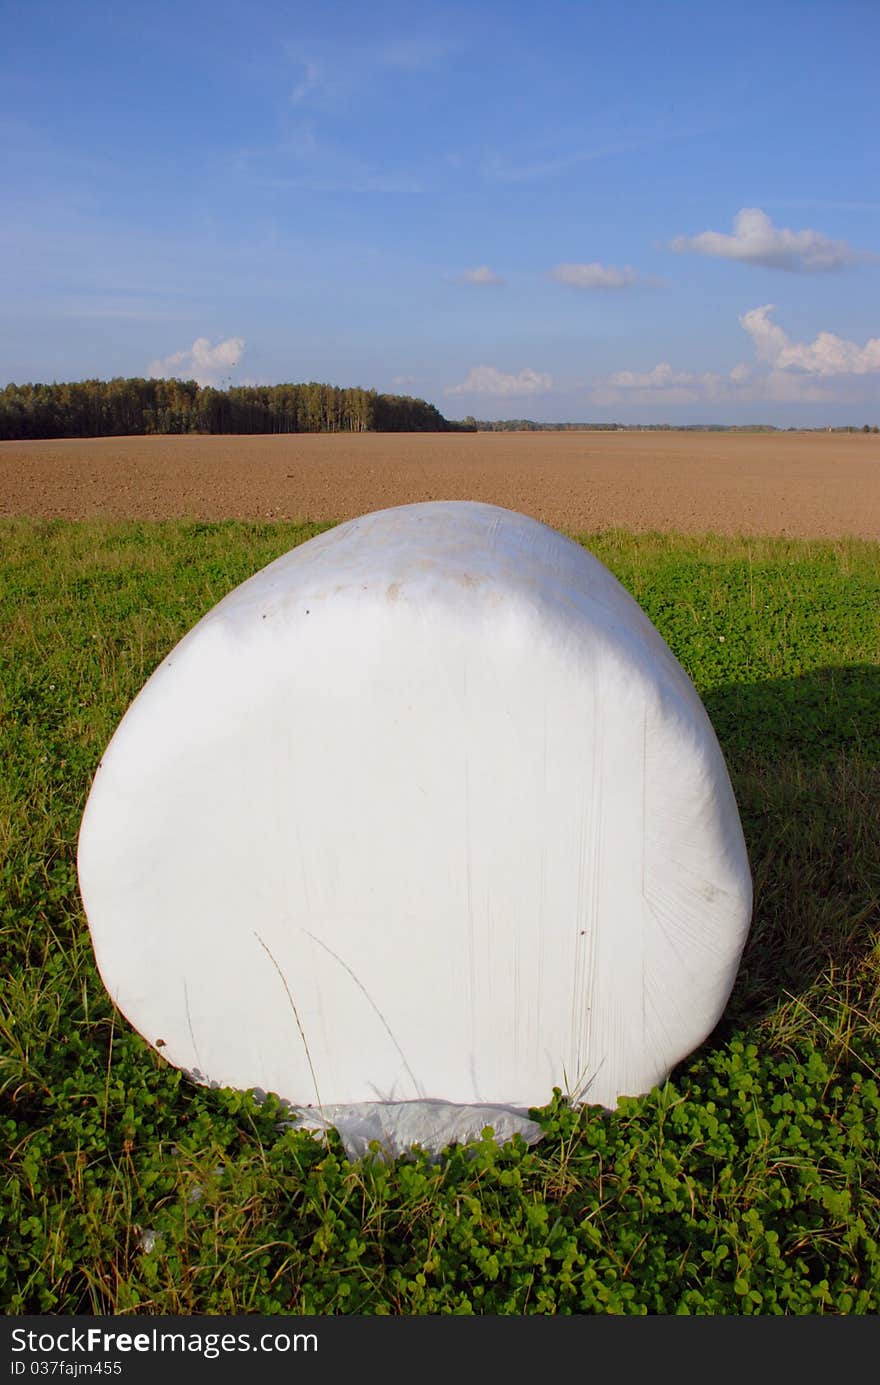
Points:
[(424, 811)]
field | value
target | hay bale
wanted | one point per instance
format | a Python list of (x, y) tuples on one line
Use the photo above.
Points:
[(425, 810)]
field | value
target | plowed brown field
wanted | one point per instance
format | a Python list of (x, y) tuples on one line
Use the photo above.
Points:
[(800, 484)]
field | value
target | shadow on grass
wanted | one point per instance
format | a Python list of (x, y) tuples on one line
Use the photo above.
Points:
[(804, 759), (818, 716)]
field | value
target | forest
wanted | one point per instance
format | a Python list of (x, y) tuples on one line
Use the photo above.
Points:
[(125, 407)]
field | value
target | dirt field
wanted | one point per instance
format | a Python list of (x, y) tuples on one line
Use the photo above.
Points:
[(797, 484)]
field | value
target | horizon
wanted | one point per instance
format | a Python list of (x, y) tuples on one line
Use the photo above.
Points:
[(510, 217), (509, 423)]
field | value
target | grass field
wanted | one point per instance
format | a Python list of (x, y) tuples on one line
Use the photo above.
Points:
[(749, 1183)]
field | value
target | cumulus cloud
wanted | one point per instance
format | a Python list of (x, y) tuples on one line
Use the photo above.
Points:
[(781, 388), (594, 276), (485, 379), (482, 275), (827, 355), (661, 384), (785, 372), (201, 362), (755, 240)]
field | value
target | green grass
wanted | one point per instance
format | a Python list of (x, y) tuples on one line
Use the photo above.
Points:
[(749, 1183)]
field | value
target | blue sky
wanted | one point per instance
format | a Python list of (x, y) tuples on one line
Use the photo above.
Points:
[(663, 212)]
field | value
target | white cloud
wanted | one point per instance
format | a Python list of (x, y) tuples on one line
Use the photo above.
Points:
[(767, 337), (483, 275), (400, 380), (202, 362), (528, 157), (334, 74), (485, 379), (755, 240), (313, 83), (781, 388), (652, 386), (827, 355), (663, 385), (594, 276), (786, 372)]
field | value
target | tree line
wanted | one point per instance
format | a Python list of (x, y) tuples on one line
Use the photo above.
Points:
[(528, 425), (122, 407)]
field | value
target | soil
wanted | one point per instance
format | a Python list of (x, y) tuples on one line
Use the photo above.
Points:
[(811, 485)]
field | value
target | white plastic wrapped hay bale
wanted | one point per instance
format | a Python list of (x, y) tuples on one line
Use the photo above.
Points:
[(424, 811)]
